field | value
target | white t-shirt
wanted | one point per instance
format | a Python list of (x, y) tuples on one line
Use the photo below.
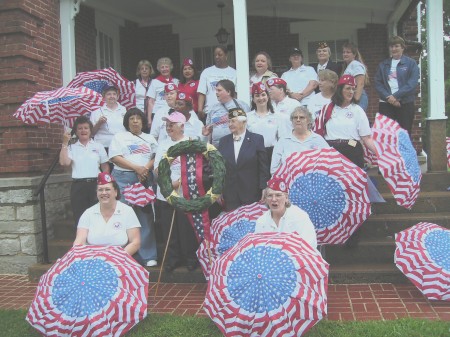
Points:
[(208, 81), (136, 149), (271, 126), (286, 106), (298, 79), (355, 68), (156, 91), (392, 79), (86, 159), (113, 125), (110, 233), (141, 93), (316, 104), (348, 123), (293, 220), (158, 128)]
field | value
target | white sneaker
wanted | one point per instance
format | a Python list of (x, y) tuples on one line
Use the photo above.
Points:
[(152, 263)]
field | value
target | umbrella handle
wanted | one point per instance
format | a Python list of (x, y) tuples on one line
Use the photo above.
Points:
[(164, 256)]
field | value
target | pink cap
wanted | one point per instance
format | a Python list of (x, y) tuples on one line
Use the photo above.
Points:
[(277, 184), (347, 79), (170, 87), (188, 62), (275, 81), (175, 117), (104, 178), (258, 88)]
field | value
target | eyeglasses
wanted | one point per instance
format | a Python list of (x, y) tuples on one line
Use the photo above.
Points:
[(298, 117)]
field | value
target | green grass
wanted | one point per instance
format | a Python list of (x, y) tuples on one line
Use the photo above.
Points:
[(13, 324)]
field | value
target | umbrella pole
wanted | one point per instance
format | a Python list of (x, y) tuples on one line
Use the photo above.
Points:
[(165, 252)]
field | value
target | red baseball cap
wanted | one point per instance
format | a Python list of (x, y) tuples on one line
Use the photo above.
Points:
[(104, 178), (347, 79)]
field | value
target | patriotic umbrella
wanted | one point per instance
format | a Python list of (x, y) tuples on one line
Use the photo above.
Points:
[(397, 160), (423, 254), (90, 291), (99, 79), (226, 230), (331, 189), (138, 195), (269, 284), (61, 106), (369, 157), (448, 152)]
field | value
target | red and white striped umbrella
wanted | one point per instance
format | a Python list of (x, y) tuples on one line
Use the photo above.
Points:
[(90, 291), (268, 284), (226, 230), (331, 189), (448, 152), (397, 160), (61, 106), (423, 254), (139, 195), (99, 79)]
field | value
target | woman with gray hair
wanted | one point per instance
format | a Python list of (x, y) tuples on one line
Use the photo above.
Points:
[(155, 93), (301, 139), (323, 53)]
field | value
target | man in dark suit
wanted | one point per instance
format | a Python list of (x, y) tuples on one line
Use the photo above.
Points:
[(323, 53), (246, 161)]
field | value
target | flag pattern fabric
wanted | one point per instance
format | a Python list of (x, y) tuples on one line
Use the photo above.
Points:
[(331, 189), (61, 106), (369, 157), (139, 149), (397, 160), (448, 151), (423, 254), (138, 195), (98, 80), (90, 291), (268, 284), (226, 230)]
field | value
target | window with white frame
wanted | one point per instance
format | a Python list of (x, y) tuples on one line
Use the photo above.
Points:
[(106, 51), (108, 41)]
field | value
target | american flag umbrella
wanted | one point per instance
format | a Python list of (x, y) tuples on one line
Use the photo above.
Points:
[(139, 195), (423, 254), (61, 106), (90, 291), (331, 189), (397, 160), (99, 79), (226, 230), (448, 151), (269, 284)]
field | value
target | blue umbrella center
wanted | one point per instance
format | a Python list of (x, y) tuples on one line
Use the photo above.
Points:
[(232, 234), (261, 279), (437, 244), (409, 155), (321, 196), (96, 85), (85, 287), (61, 99)]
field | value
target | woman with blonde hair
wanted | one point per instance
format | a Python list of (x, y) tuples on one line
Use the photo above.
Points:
[(262, 63), (144, 72)]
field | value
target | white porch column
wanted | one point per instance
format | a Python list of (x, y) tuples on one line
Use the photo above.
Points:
[(68, 9), (241, 47), (435, 50)]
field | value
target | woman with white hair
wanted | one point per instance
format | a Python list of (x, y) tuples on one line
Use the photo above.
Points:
[(155, 93), (323, 53), (247, 166)]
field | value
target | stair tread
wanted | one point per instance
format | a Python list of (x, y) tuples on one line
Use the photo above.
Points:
[(364, 267)]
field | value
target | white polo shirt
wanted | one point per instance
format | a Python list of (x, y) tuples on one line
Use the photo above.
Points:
[(298, 79), (86, 159), (271, 126), (286, 106), (348, 123), (110, 233), (113, 125)]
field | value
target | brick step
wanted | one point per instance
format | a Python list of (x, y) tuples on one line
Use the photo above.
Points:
[(427, 202), (386, 225), (430, 181)]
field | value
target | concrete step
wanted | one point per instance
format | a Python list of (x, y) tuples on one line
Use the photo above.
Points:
[(386, 225), (427, 202)]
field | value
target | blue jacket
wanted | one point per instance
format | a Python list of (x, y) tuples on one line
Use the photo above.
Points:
[(407, 77)]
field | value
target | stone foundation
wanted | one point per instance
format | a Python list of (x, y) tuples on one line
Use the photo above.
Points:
[(20, 219)]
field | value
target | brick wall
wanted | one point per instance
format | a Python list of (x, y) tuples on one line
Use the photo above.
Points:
[(85, 40), (30, 61), (150, 43)]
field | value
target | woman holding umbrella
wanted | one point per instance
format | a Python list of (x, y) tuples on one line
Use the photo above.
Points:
[(300, 139), (85, 157), (132, 153), (109, 222), (282, 216)]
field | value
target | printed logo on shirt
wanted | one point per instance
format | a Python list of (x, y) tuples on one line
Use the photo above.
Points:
[(349, 114), (213, 85), (95, 151), (220, 120), (192, 84), (117, 225), (137, 149), (161, 95)]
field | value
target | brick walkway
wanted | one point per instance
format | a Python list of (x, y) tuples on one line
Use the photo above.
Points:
[(345, 302)]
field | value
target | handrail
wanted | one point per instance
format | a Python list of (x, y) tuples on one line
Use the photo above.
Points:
[(41, 192)]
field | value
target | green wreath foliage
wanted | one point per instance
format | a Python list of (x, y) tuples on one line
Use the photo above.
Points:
[(218, 167)]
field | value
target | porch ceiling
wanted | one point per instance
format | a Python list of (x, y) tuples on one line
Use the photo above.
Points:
[(155, 12)]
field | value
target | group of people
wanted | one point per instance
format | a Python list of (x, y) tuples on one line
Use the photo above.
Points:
[(308, 107)]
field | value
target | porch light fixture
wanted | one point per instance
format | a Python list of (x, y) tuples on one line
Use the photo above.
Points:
[(222, 34)]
